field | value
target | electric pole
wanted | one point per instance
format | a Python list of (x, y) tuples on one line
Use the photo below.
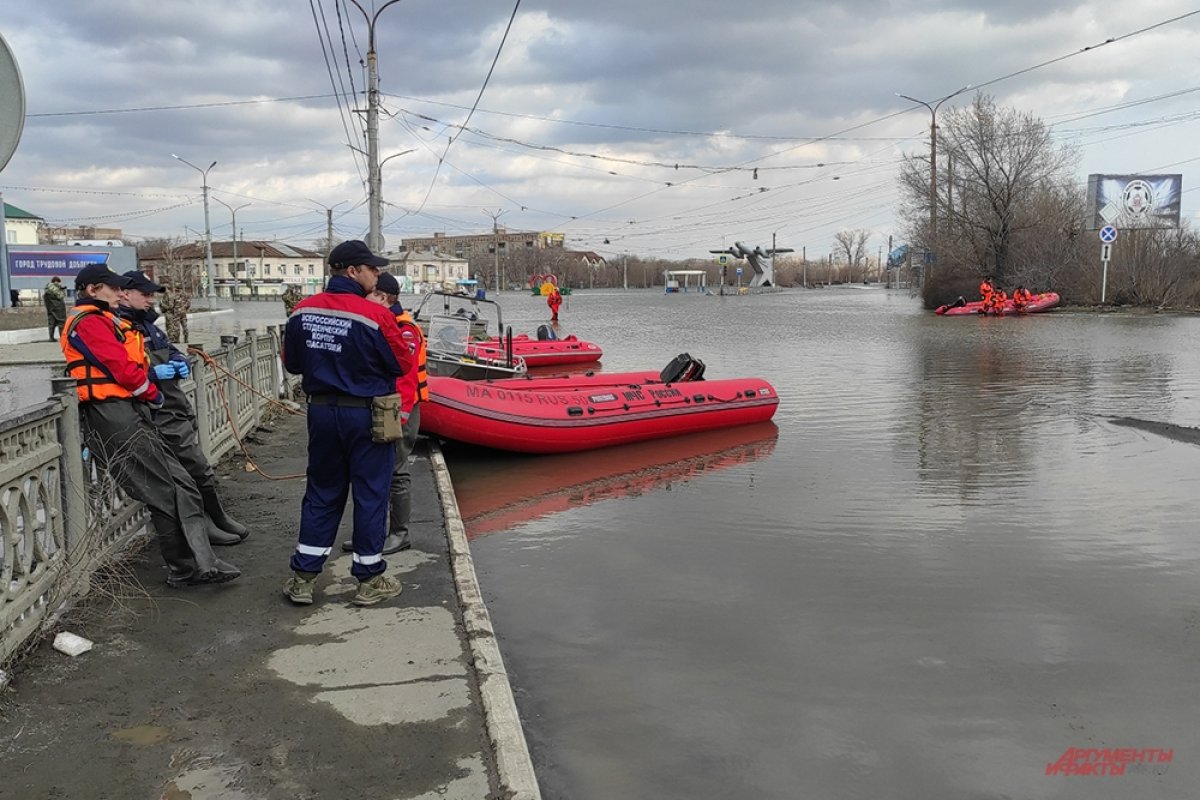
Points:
[(933, 109), (329, 229), (496, 241), (233, 225), (374, 168)]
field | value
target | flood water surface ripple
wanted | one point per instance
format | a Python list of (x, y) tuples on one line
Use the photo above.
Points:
[(941, 567)]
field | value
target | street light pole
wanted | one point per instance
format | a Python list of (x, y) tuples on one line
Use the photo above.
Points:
[(233, 211), (496, 242), (933, 109), (211, 285), (374, 171)]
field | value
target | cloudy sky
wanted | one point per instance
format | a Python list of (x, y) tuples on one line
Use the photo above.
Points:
[(667, 127)]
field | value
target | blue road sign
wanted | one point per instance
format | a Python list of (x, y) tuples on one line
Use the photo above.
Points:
[(1108, 234), (739, 270)]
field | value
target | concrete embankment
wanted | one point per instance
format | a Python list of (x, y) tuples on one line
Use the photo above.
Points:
[(231, 692)]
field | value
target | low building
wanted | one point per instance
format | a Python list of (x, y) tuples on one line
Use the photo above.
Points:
[(20, 227), (429, 269), (258, 268), (478, 244), (80, 234)]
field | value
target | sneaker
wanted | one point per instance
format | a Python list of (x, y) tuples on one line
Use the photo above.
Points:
[(299, 588), (376, 590)]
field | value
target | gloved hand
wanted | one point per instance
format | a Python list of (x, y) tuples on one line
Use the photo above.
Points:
[(181, 368), (165, 371)]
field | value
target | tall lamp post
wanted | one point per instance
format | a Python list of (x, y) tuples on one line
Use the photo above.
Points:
[(211, 288), (933, 109), (233, 212)]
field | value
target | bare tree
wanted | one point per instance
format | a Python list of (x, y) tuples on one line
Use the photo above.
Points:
[(851, 245), (1006, 185)]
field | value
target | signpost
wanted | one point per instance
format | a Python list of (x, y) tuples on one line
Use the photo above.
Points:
[(1108, 235), (12, 100)]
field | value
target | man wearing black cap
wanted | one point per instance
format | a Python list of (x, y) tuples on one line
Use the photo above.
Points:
[(176, 421), (107, 359), (349, 351)]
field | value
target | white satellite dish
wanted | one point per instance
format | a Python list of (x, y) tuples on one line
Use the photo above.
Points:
[(12, 103)]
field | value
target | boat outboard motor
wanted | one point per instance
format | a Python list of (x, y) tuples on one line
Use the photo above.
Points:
[(683, 368), (546, 333)]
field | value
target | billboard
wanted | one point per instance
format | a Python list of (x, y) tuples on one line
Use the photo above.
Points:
[(1134, 201), (47, 263)]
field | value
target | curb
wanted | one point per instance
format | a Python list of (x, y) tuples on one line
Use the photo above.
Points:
[(513, 764), (34, 335)]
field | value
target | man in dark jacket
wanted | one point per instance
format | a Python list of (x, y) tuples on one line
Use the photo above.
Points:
[(55, 299), (176, 420), (348, 350)]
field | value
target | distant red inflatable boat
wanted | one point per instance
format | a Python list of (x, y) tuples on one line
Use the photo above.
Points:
[(540, 352), (1041, 302), (573, 413)]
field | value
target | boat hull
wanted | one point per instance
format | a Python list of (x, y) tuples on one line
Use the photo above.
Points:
[(563, 415), (540, 352), (1041, 302)]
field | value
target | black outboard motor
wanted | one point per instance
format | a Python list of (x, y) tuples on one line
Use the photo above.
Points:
[(546, 333), (683, 368)]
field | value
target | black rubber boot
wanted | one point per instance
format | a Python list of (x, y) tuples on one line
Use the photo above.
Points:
[(220, 538), (215, 512)]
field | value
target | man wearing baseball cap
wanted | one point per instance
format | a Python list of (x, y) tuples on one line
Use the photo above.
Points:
[(107, 359), (348, 351), (176, 420)]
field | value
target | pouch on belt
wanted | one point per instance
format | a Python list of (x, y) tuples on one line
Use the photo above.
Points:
[(386, 422)]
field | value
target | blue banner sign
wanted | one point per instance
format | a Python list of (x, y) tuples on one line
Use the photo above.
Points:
[(47, 263)]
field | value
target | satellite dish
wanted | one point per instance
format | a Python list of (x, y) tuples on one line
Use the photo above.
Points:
[(12, 104)]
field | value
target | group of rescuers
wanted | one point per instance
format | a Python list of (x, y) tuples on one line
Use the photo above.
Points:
[(994, 297), (352, 344)]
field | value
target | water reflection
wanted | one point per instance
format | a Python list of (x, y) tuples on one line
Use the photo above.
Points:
[(522, 489)]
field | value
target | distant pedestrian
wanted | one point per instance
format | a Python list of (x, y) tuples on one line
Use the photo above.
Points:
[(55, 299), (175, 307), (291, 298), (350, 353)]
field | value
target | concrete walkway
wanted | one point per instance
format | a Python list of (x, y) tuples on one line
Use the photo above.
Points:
[(231, 692)]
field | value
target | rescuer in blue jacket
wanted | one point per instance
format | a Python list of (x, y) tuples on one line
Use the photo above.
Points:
[(348, 350)]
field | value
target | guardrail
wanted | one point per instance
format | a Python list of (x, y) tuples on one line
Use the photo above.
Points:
[(61, 517)]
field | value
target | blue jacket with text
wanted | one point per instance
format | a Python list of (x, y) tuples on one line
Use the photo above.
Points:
[(342, 343)]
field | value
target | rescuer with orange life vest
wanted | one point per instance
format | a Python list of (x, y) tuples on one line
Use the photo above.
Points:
[(413, 388), (107, 358), (986, 287), (1021, 298), (554, 300)]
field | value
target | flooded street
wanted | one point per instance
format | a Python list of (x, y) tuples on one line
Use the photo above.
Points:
[(939, 569)]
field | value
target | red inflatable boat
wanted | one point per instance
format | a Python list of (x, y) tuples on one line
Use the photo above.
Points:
[(540, 352), (1041, 302), (573, 413)]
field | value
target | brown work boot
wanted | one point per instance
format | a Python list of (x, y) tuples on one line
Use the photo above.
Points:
[(299, 588), (376, 589)]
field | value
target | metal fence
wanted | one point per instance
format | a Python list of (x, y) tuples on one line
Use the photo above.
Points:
[(60, 517)]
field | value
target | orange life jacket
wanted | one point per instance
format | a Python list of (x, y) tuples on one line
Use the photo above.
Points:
[(405, 321), (986, 289), (93, 381)]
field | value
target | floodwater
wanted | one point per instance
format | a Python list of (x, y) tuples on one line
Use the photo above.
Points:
[(940, 568)]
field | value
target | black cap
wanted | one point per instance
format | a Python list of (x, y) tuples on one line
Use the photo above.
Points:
[(387, 284), (100, 273), (354, 253), (139, 281)]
